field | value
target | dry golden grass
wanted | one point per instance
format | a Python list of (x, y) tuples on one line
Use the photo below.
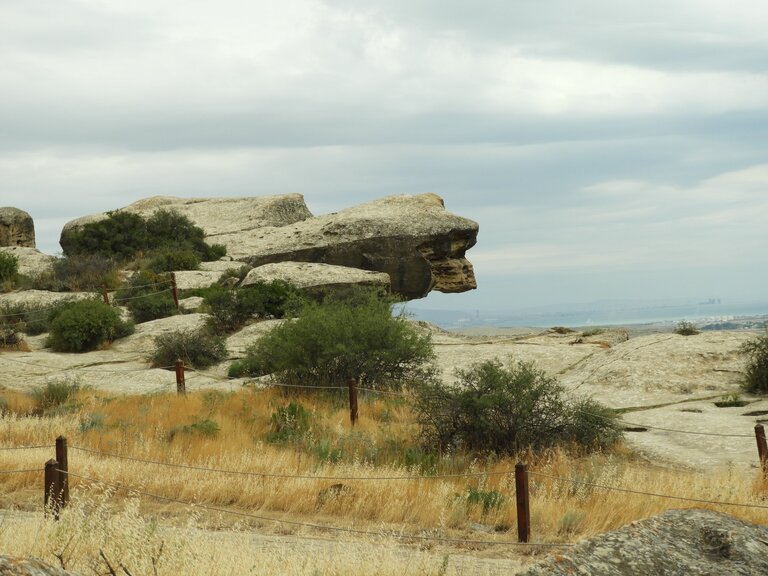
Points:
[(173, 429)]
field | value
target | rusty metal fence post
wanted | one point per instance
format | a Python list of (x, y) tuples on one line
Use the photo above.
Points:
[(52, 488), (352, 383), (175, 290), (63, 469), (762, 447), (181, 385), (523, 508)]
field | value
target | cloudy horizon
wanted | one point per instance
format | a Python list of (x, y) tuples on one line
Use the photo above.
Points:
[(607, 150)]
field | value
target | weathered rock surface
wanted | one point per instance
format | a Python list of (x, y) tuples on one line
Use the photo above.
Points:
[(41, 298), (225, 220), (677, 542), (413, 239), (309, 275), (16, 228), (32, 262), (10, 566)]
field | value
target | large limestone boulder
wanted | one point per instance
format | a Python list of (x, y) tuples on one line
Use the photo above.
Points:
[(694, 542), (16, 228), (32, 262), (413, 239), (223, 219), (312, 276)]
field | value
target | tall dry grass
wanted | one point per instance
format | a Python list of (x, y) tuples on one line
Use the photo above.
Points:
[(331, 474)]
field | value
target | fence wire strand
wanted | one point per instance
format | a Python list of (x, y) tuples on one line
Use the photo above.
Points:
[(642, 493), (289, 476), (312, 525)]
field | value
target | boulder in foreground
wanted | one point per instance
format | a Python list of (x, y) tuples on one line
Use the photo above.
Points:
[(691, 542)]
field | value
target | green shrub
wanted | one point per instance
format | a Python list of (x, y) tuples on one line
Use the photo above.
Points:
[(147, 296), (9, 267), (124, 235), (29, 318), (508, 409), (169, 260), (55, 394), (489, 500), (331, 343), (85, 325), (756, 377), (151, 307), (685, 328), (231, 309), (197, 348), (290, 423)]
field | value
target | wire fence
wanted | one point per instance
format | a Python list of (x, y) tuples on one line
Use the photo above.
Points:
[(60, 467)]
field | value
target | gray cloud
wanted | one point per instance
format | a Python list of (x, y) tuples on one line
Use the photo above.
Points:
[(598, 147)]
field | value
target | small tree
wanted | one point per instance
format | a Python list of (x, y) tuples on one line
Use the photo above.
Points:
[(331, 343), (506, 409), (685, 328), (756, 378), (197, 348)]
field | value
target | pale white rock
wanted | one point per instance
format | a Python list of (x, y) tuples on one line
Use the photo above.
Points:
[(16, 228), (32, 262), (142, 341), (313, 275), (190, 279)]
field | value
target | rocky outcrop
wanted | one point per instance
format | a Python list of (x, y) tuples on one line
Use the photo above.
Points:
[(691, 542), (313, 277), (10, 566), (413, 239), (225, 220), (32, 262), (16, 228)]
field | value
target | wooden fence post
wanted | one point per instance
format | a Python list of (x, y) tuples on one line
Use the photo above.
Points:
[(352, 383), (175, 290), (52, 488), (63, 468), (523, 509), (105, 295), (762, 447), (181, 385)]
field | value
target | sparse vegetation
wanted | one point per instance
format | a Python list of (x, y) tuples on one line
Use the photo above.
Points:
[(55, 395), (123, 235), (232, 308), (85, 325), (147, 297), (685, 328), (507, 409), (331, 343), (756, 377), (9, 270), (198, 348)]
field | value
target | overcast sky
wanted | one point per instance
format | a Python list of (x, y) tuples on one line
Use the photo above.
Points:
[(608, 149)]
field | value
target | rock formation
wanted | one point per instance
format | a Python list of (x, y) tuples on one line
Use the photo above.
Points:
[(32, 262), (412, 238), (312, 276), (16, 228), (691, 542)]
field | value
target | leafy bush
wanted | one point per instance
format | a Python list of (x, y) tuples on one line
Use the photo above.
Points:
[(685, 328), (9, 268), (290, 423), (332, 343), (507, 409), (28, 317), (169, 260), (55, 394), (146, 296), (198, 348), (756, 377), (85, 325), (124, 235), (231, 309)]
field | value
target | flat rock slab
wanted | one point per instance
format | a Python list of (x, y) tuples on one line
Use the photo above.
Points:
[(142, 341), (191, 279), (43, 298), (32, 262), (313, 275), (677, 542)]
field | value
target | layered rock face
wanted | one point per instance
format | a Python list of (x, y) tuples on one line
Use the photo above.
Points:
[(413, 239), (16, 228)]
